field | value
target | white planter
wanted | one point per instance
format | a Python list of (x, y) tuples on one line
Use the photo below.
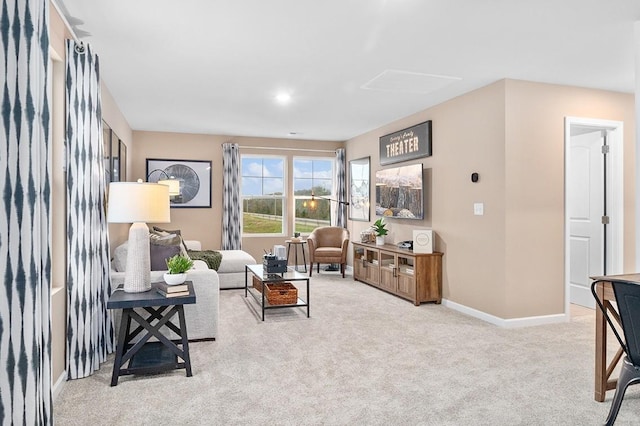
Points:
[(380, 240), (173, 279)]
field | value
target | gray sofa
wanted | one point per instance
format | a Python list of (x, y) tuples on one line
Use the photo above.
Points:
[(201, 317)]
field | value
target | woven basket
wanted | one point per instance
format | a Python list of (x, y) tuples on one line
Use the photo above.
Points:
[(257, 284), (281, 293)]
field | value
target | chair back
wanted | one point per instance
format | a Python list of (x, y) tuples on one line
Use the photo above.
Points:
[(628, 301), (330, 236)]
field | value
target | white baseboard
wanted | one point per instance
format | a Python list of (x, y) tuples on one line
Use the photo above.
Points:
[(506, 323), (58, 385)]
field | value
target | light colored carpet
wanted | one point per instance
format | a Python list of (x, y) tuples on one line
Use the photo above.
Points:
[(364, 357)]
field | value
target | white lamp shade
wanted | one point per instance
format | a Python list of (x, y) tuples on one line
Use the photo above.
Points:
[(131, 202), (173, 184)]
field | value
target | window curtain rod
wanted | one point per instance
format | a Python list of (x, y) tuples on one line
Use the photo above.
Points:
[(288, 149)]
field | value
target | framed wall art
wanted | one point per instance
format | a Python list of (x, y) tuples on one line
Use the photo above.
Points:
[(407, 144), (359, 191), (194, 177)]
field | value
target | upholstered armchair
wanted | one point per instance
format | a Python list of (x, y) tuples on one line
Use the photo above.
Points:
[(328, 244)]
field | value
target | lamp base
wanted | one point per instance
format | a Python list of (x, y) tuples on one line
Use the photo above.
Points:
[(137, 278)]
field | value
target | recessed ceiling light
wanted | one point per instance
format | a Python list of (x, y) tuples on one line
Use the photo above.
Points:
[(283, 98)]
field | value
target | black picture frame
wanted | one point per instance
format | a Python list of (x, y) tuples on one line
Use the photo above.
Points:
[(194, 177), (360, 189)]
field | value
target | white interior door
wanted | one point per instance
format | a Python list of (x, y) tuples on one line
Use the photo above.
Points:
[(586, 206)]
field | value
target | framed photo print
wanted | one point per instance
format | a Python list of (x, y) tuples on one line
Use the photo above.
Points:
[(194, 177), (359, 176)]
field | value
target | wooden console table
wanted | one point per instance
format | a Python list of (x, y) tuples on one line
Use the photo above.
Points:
[(604, 291), (413, 276)]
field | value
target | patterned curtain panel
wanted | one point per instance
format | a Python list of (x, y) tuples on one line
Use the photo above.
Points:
[(231, 204), (90, 335), (339, 216), (25, 227)]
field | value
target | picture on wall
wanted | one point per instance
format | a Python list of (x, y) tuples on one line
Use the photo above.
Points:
[(399, 192), (359, 189), (406, 144), (194, 177)]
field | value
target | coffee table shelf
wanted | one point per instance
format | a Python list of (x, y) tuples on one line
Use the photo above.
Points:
[(291, 276)]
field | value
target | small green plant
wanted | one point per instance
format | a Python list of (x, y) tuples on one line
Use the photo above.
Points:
[(179, 264), (379, 227)]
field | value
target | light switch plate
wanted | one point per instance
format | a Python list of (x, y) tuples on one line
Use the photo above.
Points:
[(478, 209)]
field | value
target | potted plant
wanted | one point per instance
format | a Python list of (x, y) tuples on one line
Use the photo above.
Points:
[(177, 266), (380, 229)]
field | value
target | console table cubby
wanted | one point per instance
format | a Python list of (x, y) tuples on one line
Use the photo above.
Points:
[(413, 276)]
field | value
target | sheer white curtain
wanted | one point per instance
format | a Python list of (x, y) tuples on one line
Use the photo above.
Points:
[(25, 227), (90, 335)]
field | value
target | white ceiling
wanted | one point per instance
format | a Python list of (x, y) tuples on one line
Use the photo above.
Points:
[(215, 66)]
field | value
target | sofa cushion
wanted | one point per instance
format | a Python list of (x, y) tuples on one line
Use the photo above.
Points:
[(159, 254), (234, 261), (175, 232)]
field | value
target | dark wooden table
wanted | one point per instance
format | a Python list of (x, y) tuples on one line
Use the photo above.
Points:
[(163, 355)]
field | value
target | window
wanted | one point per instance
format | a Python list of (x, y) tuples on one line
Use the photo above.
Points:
[(263, 189), (312, 175)]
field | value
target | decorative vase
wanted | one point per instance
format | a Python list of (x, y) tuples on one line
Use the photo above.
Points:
[(380, 240), (173, 279)]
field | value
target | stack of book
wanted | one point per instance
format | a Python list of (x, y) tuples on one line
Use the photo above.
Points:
[(172, 290)]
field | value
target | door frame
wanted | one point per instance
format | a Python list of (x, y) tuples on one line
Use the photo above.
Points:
[(614, 193)]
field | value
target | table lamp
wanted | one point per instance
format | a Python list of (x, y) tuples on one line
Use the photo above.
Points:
[(138, 203)]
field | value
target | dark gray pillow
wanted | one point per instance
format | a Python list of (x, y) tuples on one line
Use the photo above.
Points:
[(159, 255), (163, 232)]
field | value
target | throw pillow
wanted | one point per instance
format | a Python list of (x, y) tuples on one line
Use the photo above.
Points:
[(159, 255), (176, 232), (168, 239)]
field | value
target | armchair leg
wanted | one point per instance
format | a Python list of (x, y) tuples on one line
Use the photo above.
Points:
[(310, 269), (342, 268)]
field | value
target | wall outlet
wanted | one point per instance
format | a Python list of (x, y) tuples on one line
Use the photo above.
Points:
[(478, 209)]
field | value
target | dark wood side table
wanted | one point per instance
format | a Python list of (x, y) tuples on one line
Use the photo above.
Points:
[(161, 309)]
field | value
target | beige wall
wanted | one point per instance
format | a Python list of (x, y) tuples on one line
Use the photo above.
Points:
[(535, 187), (510, 262), (205, 224)]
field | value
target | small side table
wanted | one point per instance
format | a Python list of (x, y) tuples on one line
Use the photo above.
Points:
[(161, 309), (296, 243)]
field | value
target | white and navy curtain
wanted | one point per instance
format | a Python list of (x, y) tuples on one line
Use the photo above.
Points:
[(231, 203), (25, 225), (90, 335), (339, 214)]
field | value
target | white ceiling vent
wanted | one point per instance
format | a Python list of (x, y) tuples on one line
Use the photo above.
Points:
[(406, 81)]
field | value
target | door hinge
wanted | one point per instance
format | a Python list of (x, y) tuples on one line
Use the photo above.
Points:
[(605, 220), (605, 149)]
